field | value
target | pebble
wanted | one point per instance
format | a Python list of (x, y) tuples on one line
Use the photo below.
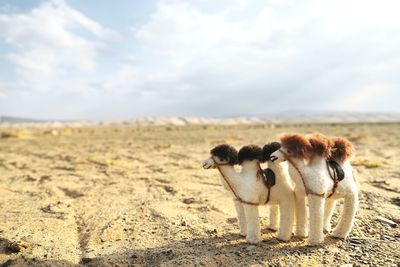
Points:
[(387, 237), (211, 231), (251, 247), (335, 250), (167, 251), (356, 241), (387, 221), (16, 247), (189, 200), (86, 260)]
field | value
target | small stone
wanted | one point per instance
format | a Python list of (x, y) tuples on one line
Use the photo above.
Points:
[(335, 250), (387, 237), (16, 247), (356, 241), (86, 260), (183, 223), (189, 200), (387, 221), (251, 247), (167, 251), (211, 231)]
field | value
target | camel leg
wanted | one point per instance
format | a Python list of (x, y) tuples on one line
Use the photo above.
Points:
[(346, 221), (301, 216), (273, 217), (253, 224), (241, 219), (286, 206), (330, 205), (316, 207)]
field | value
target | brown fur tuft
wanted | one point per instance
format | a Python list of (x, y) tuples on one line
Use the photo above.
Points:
[(321, 145), (296, 144), (250, 152), (343, 149), (225, 152)]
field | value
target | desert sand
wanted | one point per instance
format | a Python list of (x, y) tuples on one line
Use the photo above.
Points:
[(127, 195)]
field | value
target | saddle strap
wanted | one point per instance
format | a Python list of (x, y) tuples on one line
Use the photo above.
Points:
[(268, 178), (337, 174)]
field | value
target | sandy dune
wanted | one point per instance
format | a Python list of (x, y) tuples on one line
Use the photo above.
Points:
[(123, 195)]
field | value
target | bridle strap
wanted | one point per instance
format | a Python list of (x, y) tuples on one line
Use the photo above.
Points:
[(238, 198), (308, 191)]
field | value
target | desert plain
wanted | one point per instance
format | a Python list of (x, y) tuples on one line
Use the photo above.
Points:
[(125, 195)]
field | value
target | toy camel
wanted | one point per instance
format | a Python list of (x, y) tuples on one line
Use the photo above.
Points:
[(252, 187), (310, 159)]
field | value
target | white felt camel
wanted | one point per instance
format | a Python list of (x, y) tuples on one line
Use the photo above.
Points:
[(313, 180), (248, 190)]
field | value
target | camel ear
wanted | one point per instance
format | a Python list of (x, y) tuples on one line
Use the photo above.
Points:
[(269, 177)]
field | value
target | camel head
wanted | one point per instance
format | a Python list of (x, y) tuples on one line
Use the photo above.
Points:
[(250, 153), (222, 154), (268, 149), (293, 145)]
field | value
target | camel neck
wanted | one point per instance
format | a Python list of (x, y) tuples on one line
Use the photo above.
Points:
[(250, 166), (228, 170), (300, 163), (318, 160), (276, 167)]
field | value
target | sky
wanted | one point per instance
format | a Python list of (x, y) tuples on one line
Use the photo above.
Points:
[(113, 60)]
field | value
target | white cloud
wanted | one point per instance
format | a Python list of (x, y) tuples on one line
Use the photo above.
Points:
[(208, 58), (372, 96), (49, 43), (306, 50)]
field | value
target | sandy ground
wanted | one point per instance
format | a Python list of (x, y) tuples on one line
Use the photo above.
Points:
[(137, 196)]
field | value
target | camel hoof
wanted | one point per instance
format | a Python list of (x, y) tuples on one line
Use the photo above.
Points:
[(301, 234), (339, 235), (283, 238), (327, 231), (315, 242), (254, 239)]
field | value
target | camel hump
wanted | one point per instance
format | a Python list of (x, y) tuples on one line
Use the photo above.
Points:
[(342, 150), (225, 152), (250, 152), (296, 145), (321, 145)]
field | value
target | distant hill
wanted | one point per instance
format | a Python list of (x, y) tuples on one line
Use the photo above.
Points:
[(16, 119), (345, 117), (282, 118)]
